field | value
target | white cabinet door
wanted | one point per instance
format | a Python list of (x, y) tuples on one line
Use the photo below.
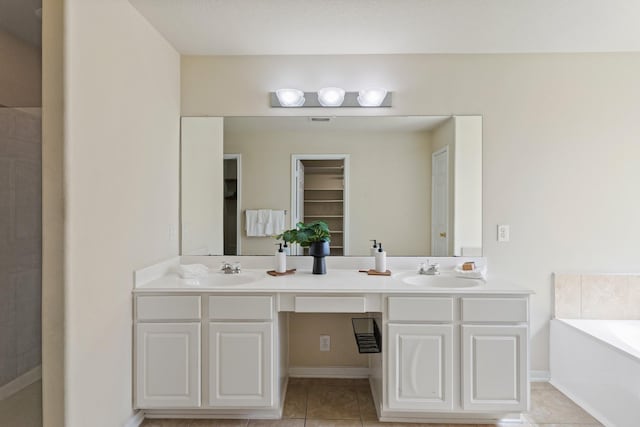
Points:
[(241, 368), (168, 365), (420, 367), (494, 368)]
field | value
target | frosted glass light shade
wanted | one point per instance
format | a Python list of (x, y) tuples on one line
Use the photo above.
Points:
[(290, 97), (371, 97), (331, 96)]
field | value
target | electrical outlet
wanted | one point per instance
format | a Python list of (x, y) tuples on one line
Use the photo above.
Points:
[(503, 233), (325, 343)]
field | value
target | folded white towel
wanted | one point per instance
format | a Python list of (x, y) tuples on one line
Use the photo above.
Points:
[(478, 273), (253, 226), (264, 216), (192, 271), (277, 223)]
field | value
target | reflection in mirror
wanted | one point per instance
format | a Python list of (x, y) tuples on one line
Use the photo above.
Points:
[(413, 183)]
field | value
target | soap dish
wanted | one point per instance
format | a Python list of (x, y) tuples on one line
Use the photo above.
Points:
[(275, 273), (372, 272)]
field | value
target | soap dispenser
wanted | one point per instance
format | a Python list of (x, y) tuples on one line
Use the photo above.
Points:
[(281, 260), (374, 248), (286, 247), (381, 260)]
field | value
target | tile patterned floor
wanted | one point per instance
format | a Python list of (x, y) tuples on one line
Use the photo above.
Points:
[(348, 403)]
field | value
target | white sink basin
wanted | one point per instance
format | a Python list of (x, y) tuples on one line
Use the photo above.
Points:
[(439, 281)]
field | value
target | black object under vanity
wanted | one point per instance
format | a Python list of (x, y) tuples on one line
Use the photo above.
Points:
[(367, 335)]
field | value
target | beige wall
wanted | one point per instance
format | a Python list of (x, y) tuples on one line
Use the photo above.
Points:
[(467, 193), (390, 183), (560, 144), (121, 189), (53, 221), (304, 340), (20, 72)]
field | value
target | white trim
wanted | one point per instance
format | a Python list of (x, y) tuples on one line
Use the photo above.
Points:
[(238, 158), (135, 420), (155, 271), (23, 381), (581, 403), (539, 376), (345, 193), (328, 372)]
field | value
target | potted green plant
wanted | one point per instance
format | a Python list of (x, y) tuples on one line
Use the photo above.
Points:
[(315, 236)]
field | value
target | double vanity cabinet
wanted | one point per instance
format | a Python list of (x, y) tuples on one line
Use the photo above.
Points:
[(448, 355)]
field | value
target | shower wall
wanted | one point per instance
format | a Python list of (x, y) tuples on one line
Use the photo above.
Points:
[(20, 241)]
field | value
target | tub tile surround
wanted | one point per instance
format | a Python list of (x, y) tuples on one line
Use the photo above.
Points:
[(597, 296)]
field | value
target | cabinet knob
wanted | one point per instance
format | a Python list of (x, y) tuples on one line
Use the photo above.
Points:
[(443, 234)]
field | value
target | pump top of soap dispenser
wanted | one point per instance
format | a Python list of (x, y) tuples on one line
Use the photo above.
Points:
[(279, 247), (380, 247), (375, 243)]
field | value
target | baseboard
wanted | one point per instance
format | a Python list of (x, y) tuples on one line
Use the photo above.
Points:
[(328, 372), (581, 403), (539, 376), (21, 382), (135, 420)]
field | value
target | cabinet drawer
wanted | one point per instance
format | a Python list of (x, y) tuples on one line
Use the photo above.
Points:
[(330, 304), (240, 307), (170, 307), (495, 310), (425, 309)]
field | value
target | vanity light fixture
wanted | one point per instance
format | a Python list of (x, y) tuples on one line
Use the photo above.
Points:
[(331, 96), (290, 97), (371, 97)]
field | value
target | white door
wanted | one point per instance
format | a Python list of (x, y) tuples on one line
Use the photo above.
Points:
[(299, 212), (420, 367), (168, 365), (202, 186), (240, 370), (494, 368), (440, 203)]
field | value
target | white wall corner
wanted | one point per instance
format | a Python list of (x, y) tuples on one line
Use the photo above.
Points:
[(539, 376)]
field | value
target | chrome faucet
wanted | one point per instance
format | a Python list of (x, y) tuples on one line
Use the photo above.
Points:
[(431, 270), (229, 268)]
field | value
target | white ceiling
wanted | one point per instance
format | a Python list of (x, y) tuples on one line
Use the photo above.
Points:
[(335, 124), (272, 27)]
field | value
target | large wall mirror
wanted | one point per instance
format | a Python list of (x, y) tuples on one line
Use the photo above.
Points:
[(413, 183)]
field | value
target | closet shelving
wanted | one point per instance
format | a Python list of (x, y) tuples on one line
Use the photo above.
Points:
[(324, 198)]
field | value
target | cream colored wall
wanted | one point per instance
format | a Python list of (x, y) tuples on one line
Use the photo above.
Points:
[(304, 340), (389, 180), (201, 184), (53, 219), (20, 73), (560, 145), (122, 106), (467, 193)]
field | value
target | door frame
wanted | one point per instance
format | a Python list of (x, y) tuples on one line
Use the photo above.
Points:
[(238, 158), (444, 150), (345, 192)]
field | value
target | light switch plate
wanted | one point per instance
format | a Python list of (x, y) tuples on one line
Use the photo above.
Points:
[(503, 233), (325, 343)]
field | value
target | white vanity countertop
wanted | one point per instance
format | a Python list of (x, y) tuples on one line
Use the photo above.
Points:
[(335, 281)]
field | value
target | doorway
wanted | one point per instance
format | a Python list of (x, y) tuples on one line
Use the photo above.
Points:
[(232, 172), (319, 192)]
